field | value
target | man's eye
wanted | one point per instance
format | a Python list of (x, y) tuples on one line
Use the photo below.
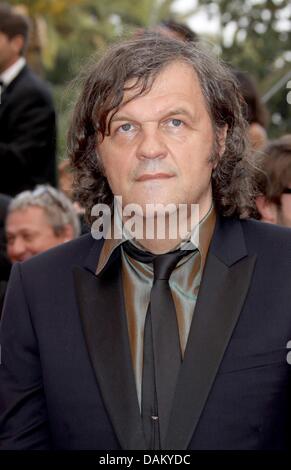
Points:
[(125, 127), (27, 237), (176, 122)]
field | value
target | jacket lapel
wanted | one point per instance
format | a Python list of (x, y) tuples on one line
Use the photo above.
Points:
[(226, 278), (101, 305), (8, 90)]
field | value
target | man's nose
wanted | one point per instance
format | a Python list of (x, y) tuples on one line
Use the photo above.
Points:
[(152, 143)]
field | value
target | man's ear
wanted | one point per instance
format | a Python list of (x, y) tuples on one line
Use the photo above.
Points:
[(98, 156), (222, 133), (17, 43), (267, 210), (67, 233), (221, 140)]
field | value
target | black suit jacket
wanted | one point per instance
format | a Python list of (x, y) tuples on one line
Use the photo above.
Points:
[(66, 378), (27, 134)]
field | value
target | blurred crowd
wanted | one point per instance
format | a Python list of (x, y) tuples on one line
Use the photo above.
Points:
[(37, 206)]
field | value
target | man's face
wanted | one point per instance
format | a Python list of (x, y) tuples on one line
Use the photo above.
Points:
[(160, 144), (271, 212), (9, 50), (29, 233), (284, 211)]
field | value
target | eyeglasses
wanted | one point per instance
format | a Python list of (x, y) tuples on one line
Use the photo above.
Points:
[(286, 191)]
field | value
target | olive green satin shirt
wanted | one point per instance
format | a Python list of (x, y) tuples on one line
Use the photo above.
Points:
[(137, 278)]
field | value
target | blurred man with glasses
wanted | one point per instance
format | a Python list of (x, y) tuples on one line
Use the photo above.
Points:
[(38, 220)]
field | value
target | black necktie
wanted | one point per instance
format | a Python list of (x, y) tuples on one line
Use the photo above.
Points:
[(162, 353)]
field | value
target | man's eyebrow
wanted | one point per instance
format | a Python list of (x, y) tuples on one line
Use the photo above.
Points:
[(26, 231), (121, 117), (166, 113)]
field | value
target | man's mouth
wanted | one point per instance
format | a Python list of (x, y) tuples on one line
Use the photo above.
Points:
[(154, 176)]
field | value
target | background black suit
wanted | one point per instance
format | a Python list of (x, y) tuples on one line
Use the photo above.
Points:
[(27, 134), (66, 380), (5, 265)]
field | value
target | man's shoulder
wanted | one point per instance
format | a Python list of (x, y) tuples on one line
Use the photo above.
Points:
[(264, 236), (30, 85)]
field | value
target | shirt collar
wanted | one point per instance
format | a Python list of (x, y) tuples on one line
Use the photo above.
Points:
[(206, 229), (11, 73)]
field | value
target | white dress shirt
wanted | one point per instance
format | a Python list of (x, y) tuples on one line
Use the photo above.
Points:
[(9, 74)]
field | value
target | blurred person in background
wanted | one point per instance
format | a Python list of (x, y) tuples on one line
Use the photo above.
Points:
[(172, 29), (5, 265), (65, 180), (27, 116), (255, 112), (274, 179), (177, 30), (38, 220)]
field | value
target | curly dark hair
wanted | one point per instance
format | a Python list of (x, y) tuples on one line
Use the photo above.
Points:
[(141, 59)]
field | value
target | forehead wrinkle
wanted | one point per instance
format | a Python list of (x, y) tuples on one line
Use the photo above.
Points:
[(21, 229), (159, 112), (149, 102)]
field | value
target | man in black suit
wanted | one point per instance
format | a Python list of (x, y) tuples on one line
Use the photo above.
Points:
[(5, 265), (142, 341), (27, 116)]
